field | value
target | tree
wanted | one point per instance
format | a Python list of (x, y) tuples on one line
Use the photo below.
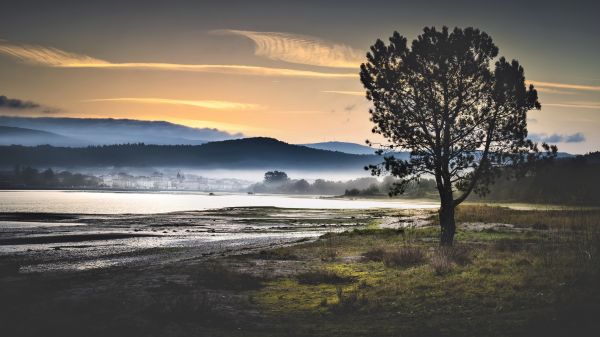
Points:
[(276, 177), (461, 120)]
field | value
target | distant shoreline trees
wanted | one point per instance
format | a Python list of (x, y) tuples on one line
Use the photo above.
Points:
[(28, 178)]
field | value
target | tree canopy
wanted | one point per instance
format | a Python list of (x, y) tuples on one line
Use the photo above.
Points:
[(460, 118)]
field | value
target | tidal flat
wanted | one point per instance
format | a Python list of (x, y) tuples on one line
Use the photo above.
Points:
[(264, 271)]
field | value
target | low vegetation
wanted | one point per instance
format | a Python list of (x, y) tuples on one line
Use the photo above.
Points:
[(537, 278)]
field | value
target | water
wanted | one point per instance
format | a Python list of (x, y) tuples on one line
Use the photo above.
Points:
[(107, 229), (105, 202)]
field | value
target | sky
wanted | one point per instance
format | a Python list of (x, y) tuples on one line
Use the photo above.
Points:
[(281, 69)]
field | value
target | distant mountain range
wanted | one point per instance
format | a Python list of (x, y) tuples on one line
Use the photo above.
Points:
[(10, 135), (101, 131), (202, 147), (345, 147), (247, 153)]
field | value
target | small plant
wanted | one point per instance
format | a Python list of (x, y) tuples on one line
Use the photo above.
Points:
[(329, 251)]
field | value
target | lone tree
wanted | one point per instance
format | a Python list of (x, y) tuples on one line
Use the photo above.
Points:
[(276, 177), (462, 121)]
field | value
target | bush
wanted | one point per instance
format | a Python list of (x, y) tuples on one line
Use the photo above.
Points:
[(406, 256)]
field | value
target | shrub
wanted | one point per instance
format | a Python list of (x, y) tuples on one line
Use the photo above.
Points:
[(375, 254), (406, 256), (444, 258), (441, 263)]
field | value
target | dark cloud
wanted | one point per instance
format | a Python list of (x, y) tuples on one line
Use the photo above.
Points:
[(575, 138), (15, 103), (558, 138)]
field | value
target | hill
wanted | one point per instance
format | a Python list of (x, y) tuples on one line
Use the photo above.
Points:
[(10, 135), (106, 131), (247, 153), (345, 147)]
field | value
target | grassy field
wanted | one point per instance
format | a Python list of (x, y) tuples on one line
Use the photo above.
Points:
[(511, 273)]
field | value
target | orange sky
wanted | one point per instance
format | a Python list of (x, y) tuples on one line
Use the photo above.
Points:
[(232, 68)]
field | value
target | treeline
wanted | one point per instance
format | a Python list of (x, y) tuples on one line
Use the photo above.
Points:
[(424, 188), (279, 182), (573, 181), (30, 178)]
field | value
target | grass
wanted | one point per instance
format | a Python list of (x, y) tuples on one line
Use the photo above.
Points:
[(537, 279), (324, 277)]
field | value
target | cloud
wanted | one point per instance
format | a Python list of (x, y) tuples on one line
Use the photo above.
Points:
[(15, 103), (301, 49), (351, 93), (565, 86), (555, 91), (52, 57), (207, 104), (574, 105), (577, 137)]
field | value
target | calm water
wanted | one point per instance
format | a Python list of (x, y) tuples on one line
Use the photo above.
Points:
[(100, 202)]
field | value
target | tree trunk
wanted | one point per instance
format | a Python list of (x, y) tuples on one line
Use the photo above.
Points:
[(448, 227)]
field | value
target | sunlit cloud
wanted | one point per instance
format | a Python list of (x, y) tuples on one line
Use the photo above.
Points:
[(341, 92), (207, 104), (555, 91), (302, 49), (574, 105), (565, 86), (52, 57)]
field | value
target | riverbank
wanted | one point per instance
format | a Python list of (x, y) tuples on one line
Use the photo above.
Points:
[(511, 273)]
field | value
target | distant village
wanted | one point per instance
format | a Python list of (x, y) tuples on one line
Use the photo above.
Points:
[(180, 181)]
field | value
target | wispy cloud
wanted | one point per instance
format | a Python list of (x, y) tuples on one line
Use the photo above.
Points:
[(577, 137), (574, 105), (350, 93), (52, 57), (206, 104), (565, 86), (301, 49), (17, 104), (556, 91)]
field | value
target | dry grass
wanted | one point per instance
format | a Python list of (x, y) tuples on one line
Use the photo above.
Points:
[(405, 256), (444, 258)]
